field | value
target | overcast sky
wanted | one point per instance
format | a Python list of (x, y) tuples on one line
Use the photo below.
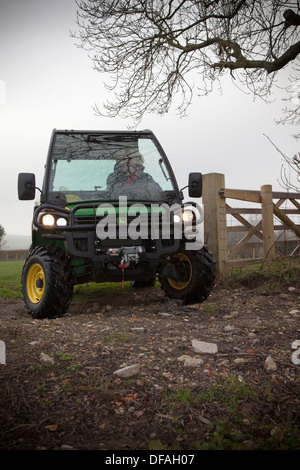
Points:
[(50, 83)]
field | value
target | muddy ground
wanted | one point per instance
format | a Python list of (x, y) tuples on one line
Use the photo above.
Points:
[(59, 388)]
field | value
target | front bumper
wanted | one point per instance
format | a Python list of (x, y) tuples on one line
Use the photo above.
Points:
[(81, 242)]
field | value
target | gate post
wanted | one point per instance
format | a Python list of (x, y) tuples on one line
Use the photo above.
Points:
[(267, 223), (215, 225)]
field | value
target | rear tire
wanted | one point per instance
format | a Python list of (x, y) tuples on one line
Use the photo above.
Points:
[(46, 283), (197, 270)]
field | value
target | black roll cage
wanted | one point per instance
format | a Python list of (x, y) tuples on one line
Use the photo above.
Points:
[(45, 196)]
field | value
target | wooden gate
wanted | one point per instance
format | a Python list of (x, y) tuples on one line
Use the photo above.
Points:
[(269, 211)]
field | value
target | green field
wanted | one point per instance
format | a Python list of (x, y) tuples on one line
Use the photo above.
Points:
[(10, 279), (10, 284), (286, 271)]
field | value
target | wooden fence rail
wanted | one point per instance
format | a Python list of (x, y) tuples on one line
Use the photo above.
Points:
[(13, 255), (216, 229)]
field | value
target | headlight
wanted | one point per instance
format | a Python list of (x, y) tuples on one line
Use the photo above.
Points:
[(61, 222), (187, 216), (48, 220)]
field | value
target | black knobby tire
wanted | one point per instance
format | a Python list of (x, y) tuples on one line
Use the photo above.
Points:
[(198, 270), (46, 283)]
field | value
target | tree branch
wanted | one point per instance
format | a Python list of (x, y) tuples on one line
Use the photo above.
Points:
[(147, 48), (243, 63), (291, 18)]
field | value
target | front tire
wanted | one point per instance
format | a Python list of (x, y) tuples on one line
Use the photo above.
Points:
[(196, 272), (46, 283)]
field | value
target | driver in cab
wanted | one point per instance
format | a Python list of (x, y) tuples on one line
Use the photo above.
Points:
[(129, 178)]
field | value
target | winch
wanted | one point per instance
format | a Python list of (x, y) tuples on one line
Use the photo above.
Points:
[(125, 255)]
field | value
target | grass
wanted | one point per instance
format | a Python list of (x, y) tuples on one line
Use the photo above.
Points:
[(231, 392), (10, 284), (93, 290), (282, 271), (120, 337), (10, 279), (286, 271), (237, 418), (181, 395)]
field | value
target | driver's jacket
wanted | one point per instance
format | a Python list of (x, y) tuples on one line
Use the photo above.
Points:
[(134, 185)]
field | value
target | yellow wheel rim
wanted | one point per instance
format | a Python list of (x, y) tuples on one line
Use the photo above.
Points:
[(178, 285), (35, 283)]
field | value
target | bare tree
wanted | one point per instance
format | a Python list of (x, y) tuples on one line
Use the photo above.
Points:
[(291, 111), (150, 47), (290, 170), (2, 234)]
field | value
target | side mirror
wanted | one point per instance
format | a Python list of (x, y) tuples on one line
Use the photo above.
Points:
[(26, 186), (195, 184)]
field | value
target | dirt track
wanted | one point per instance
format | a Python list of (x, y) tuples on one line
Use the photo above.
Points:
[(230, 399)]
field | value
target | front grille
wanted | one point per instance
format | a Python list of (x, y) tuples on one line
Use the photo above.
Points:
[(86, 220), (123, 223)]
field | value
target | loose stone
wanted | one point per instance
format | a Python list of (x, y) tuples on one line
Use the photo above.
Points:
[(129, 371), (47, 360), (203, 347), (270, 364), (189, 361), (239, 360)]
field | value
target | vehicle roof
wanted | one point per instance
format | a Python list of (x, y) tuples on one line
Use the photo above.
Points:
[(86, 131)]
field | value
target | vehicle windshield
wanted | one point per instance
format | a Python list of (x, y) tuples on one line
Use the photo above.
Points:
[(105, 166)]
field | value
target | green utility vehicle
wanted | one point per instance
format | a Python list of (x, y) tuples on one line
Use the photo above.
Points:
[(110, 210)]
